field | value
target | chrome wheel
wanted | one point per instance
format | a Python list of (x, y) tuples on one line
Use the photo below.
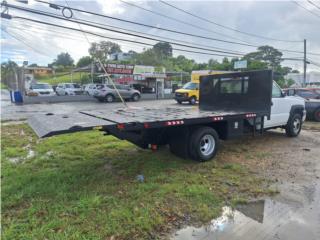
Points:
[(296, 125), (207, 145)]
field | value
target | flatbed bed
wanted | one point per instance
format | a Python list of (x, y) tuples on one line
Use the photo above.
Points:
[(230, 105), (49, 124)]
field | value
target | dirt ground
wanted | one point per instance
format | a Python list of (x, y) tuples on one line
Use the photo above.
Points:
[(293, 164)]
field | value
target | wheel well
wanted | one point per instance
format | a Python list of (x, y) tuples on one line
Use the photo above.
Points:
[(297, 109), (110, 94)]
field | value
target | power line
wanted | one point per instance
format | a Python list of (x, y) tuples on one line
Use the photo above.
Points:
[(180, 21), (314, 63), (149, 26), (152, 35), (214, 39), (169, 30), (223, 26), (313, 13), (14, 36), (312, 3), (117, 39), (117, 31)]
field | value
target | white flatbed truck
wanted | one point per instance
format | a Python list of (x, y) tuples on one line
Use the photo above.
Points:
[(231, 105)]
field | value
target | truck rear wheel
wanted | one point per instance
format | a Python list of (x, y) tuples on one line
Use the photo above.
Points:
[(203, 144), (294, 125)]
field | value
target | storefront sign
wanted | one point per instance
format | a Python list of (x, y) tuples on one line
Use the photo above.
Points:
[(113, 68), (140, 69)]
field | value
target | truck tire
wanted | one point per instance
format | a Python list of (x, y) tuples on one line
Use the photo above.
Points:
[(193, 100), (203, 144), (317, 115), (294, 125), (179, 102)]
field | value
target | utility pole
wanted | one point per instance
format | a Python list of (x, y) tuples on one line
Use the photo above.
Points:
[(305, 63)]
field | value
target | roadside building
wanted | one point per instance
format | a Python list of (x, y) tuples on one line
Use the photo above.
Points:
[(40, 71), (147, 79), (312, 78)]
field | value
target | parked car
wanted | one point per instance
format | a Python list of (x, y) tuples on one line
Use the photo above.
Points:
[(40, 89), (143, 88), (312, 99), (107, 93), (69, 89), (306, 93), (90, 89), (188, 93)]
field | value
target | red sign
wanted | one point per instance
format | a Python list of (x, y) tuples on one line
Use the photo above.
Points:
[(124, 80), (113, 68), (119, 68)]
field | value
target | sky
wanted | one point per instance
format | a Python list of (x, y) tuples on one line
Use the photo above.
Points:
[(22, 40)]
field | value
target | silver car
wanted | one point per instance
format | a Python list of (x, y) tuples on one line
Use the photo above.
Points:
[(107, 93)]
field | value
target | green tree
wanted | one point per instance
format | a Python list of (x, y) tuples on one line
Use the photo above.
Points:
[(103, 49), (84, 61), (266, 54), (33, 65), (8, 69), (63, 59), (164, 49)]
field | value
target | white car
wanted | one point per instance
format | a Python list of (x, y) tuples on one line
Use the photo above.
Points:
[(71, 89), (41, 89), (90, 89)]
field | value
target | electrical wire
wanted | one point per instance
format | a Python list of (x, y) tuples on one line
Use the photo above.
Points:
[(20, 39), (180, 21), (117, 31), (116, 39), (312, 3), (169, 30), (152, 35), (101, 64), (223, 26), (298, 4)]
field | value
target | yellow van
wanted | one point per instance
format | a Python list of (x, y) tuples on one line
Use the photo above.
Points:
[(190, 91)]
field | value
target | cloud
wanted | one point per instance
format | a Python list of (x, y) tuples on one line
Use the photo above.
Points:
[(111, 6), (276, 19)]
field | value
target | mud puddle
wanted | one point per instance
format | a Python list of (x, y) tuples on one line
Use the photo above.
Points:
[(264, 219)]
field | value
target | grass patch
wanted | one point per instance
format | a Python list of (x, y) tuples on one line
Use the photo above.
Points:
[(84, 186), (3, 86), (64, 77)]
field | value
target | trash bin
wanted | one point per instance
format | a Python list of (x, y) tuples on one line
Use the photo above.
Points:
[(16, 96)]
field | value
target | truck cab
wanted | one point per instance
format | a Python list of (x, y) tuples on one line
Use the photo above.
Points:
[(283, 107)]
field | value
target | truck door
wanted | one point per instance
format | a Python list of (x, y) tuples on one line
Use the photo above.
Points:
[(280, 109)]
